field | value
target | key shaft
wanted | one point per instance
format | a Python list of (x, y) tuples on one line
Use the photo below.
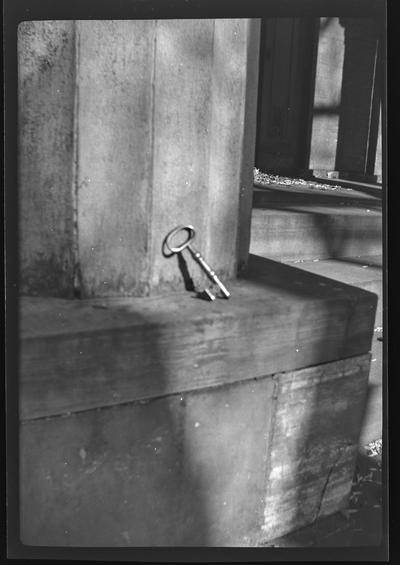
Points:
[(208, 270)]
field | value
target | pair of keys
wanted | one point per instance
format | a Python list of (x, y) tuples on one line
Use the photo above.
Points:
[(197, 257)]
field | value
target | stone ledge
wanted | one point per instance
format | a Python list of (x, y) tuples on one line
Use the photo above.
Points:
[(78, 355)]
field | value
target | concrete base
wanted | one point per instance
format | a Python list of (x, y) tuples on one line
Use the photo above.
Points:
[(360, 525), (228, 466), (185, 470), (178, 422)]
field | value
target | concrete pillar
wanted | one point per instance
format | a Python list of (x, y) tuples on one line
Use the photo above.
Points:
[(133, 127), (357, 97), (46, 84)]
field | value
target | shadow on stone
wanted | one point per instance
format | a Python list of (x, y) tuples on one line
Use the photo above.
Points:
[(118, 475)]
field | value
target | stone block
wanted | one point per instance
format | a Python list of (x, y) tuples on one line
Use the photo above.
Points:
[(230, 466), (314, 442), (185, 470), (171, 421)]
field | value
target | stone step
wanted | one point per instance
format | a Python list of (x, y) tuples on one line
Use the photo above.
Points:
[(291, 224)]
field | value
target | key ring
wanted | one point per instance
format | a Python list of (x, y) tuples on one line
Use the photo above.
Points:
[(191, 235)]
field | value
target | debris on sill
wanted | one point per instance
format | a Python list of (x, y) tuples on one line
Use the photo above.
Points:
[(265, 179), (374, 448)]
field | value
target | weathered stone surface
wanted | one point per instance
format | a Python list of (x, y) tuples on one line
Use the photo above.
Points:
[(114, 144), (205, 89), (302, 231), (232, 426), (91, 372), (314, 441), (77, 355), (227, 466), (46, 86), (130, 128), (361, 271), (183, 470)]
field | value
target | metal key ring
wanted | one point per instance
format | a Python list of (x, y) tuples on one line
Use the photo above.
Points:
[(191, 235)]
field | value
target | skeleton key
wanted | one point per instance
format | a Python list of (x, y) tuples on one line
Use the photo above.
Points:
[(195, 254)]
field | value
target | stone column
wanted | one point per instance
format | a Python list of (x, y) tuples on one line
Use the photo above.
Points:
[(46, 85), (127, 129)]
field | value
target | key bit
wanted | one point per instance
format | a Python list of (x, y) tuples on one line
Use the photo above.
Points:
[(206, 294)]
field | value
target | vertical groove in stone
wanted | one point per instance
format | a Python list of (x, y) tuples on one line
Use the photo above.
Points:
[(242, 189), (150, 266), (77, 275), (269, 443), (210, 133)]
